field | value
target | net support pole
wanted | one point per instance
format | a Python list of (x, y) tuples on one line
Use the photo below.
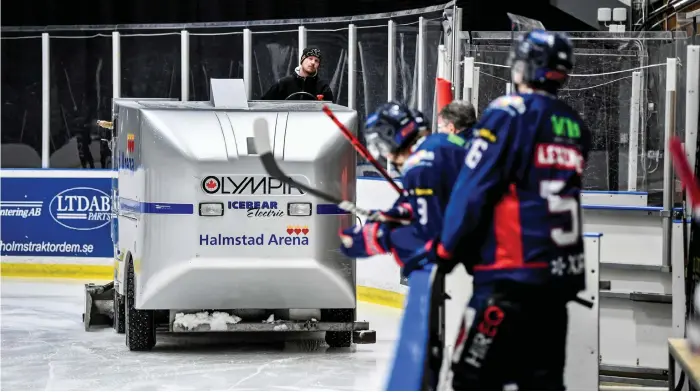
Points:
[(692, 103), (633, 139), (391, 71), (475, 90), (116, 65), (45, 99), (468, 78), (420, 59), (184, 65), (442, 54), (352, 66), (247, 62), (669, 181), (509, 88), (302, 40), (457, 54), (391, 61)]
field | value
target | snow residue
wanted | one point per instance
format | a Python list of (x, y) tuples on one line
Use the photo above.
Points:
[(271, 320), (217, 321)]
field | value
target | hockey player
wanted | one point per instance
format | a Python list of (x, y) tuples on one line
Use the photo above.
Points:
[(429, 163), (516, 208)]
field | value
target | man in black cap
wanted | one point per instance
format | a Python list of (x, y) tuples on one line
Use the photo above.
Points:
[(304, 84)]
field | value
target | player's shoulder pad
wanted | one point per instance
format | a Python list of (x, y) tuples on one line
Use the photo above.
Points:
[(423, 154), (452, 140), (513, 105), (484, 133)]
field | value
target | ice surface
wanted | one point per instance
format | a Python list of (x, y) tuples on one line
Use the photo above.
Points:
[(44, 347)]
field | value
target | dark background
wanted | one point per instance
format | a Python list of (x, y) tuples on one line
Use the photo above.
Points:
[(478, 14), (81, 74)]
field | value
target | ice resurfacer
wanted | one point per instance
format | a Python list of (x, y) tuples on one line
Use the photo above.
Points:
[(205, 240)]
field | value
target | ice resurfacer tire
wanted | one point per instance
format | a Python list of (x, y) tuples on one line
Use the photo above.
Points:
[(139, 324), (338, 338), (118, 312)]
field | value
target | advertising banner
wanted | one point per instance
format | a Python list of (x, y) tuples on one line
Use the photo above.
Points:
[(56, 217)]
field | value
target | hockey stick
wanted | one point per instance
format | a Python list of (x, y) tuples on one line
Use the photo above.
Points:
[(685, 172), (361, 149), (262, 145), (418, 355)]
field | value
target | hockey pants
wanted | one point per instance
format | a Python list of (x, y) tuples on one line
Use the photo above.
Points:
[(511, 338)]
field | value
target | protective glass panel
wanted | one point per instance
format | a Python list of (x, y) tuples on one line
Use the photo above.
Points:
[(81, 94), (21, 97), (150, 64), (332, 40), (275, 55), (600, 89), (213, 55)]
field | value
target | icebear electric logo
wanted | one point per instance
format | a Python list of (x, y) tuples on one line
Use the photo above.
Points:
[(81, 208), (257, 209)]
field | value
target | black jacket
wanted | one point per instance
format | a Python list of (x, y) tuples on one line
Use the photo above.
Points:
[(294, 83)]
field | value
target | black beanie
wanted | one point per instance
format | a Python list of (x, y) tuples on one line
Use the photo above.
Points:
[(310, 52)]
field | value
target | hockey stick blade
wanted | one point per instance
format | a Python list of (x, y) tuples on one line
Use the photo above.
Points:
[(418, 354), (361, 149), (261, 135)]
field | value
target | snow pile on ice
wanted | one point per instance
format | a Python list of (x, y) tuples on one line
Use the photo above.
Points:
[(271, 320), (217, 321)]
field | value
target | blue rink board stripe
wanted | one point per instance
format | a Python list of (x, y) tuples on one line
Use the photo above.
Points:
[(128, 205), (329, 209), (133, 206)]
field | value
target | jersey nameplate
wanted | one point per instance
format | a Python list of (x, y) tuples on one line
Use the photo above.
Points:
[(558, 156)]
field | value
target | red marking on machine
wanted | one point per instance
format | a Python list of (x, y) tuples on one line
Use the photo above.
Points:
[(130, 143), (211, 184), (304, 230)]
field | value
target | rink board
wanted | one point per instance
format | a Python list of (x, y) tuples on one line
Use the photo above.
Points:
[(41, 237)]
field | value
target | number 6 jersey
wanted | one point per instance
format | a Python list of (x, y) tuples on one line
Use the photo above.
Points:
[(514, 212)]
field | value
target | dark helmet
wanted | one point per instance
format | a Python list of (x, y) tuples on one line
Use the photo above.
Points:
[(543, 58), (392, 127)]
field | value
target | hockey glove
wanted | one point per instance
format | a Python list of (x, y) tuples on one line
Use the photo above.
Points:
[(381, 238), (437, 254), (399, 214), (417, 262), (367, 240)]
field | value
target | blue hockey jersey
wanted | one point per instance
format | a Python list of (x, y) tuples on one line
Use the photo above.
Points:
[(428, 176), (515, 210)]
